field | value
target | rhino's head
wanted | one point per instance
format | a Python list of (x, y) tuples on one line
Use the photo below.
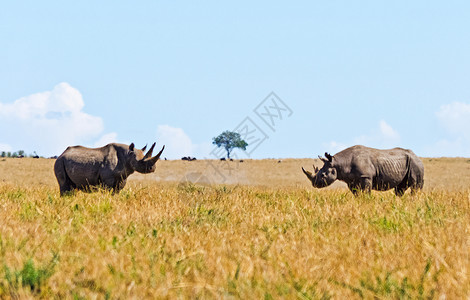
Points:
[(326, 175), (140, 162)]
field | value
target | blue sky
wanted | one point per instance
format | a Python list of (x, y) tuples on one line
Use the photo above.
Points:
[(377, 73)]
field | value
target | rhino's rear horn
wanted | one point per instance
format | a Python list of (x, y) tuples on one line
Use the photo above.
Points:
[(143, 149), (149, 153)]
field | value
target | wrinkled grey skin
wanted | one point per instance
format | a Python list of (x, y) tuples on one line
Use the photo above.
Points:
[(109, 166), (365, 169)]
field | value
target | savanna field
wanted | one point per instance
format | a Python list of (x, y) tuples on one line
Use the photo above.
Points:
[(251, 230)]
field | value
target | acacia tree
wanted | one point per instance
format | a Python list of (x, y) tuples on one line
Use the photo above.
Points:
[(229, 140)]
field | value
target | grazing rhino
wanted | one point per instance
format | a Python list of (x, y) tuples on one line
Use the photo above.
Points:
[(365, 169), (109, 166)]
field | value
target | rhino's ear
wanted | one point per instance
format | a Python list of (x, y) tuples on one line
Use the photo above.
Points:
[(131, 147)]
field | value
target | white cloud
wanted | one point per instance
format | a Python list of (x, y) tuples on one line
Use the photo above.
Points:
[(48, 122), (178, 144), (334, 147), (203, 150), (455, 118), (383, 136), (106, 139), (387, 133), (447, 148)]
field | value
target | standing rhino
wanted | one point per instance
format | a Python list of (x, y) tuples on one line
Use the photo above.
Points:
[(364, 169), (109, 166)]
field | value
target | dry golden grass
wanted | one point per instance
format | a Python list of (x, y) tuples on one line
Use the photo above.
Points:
[(264, 233)]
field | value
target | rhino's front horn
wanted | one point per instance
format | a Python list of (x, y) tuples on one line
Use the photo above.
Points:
[(309, 174), (153, 160), (160, 153), (149, 153)]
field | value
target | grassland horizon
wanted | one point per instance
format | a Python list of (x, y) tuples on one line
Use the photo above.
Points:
[(248, 230)]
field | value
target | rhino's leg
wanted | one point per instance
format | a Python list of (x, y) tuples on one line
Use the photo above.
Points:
[(399, 191), (401, 188), (106, 179), (416, 187), (66, 189), (416, 176), (113, 184), (119, 185), (366, 184), (408, 182), (353, 188)]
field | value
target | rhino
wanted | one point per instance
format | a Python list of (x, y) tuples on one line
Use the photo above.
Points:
[(109, 166), (365, 169)]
